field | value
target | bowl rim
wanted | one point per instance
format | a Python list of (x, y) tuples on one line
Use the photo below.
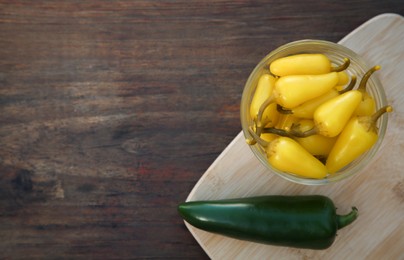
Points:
[(374, 81)]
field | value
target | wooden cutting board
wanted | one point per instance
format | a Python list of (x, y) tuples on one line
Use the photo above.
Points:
[(377, 191)]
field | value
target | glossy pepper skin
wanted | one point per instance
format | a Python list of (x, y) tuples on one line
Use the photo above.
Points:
[(301, 64), (359, 135), (331, 117), (307, 109), (292, 221), (368, 105), (343, 79), (304, 64), (263, 91), (291, 91), (315, 144), (287, 155)]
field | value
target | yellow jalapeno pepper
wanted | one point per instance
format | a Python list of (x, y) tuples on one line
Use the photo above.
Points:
[(286, 121), (306, 110), (286, 155), (331, 117), (270, 116), (359, 135), (291, 91), (304, 64), (316, 144), (267, 109), (368, 105), (264, 111), (343, 78), (262, 92), (268, 137)]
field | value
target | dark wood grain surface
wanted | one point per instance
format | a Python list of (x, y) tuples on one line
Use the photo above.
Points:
[(110, 112)]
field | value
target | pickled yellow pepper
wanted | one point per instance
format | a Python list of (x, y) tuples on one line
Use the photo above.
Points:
[(331, 117), (315, 144), (343, 79), (368, 105), (304, 64), (286, 155), (291, 91), (262, 92), (359, 135), (306, 110)]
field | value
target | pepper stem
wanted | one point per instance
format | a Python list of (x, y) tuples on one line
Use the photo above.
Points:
[(258, 119), (342, 67), (277, 131), (256, 138), (347, 219), (264, 105), (350, 86), (283, 111), (298, 133), (364, 81), (293, 132), (379, 113)]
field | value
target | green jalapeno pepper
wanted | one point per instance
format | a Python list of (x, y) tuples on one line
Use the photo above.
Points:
[(292, 221)]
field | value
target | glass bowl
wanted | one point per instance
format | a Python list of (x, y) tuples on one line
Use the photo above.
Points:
[(336, 53)]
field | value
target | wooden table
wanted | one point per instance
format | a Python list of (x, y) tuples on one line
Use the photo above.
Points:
[(111, 111)]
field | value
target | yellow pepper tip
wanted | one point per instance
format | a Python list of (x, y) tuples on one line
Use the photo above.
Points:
[(389, 109), (377, 67)]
